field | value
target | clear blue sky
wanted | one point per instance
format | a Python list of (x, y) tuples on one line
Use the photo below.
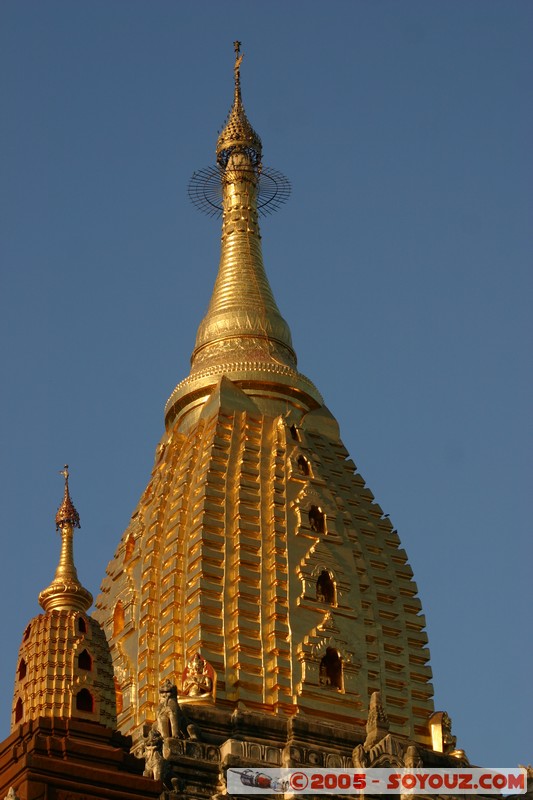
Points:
[(402, 263)]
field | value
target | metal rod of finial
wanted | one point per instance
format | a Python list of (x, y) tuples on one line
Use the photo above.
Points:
[(238, 61)]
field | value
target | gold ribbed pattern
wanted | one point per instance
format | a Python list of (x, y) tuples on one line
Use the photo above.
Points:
[(66, 591), (226, 562), (48, 673), (64, 651), (243, 320), (243, 334)]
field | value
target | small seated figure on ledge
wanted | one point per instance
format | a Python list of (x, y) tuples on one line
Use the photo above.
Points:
[(197, 680)]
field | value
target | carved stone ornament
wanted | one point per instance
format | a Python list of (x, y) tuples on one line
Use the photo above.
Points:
[(360, 757), (412, 758), (389, 751), (11, 795), (153, 755), (377, 726)]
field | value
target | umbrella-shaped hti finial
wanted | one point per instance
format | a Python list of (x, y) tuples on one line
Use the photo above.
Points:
[(239, 151)]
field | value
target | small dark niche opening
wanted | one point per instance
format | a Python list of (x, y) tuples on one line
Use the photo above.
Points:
[(317, 519), (22, 669), (19, 710), (325, 588), (84, 701), (27, 632), (330, 672), (85, 661), (82, 625), (303, 465), (294, 433)]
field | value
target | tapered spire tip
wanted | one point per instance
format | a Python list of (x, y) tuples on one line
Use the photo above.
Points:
[(66, 513), (238, 134), (66, 591)]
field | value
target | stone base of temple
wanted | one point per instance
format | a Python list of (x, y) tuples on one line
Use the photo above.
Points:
[(70, 759), (195, 767)]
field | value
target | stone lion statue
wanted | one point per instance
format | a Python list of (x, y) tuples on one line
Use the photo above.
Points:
[(168, 711), (153, 756)]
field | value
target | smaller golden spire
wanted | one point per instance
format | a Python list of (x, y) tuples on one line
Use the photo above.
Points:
[(66, 591)]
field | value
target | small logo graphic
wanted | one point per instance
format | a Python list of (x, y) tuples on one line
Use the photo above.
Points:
[(299, 781)]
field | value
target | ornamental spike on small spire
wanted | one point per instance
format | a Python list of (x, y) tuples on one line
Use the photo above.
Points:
[(67, 511), (66, 591)]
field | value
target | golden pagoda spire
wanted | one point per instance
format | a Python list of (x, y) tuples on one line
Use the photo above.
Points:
[(243, 334), (257, 548), (66, 592)]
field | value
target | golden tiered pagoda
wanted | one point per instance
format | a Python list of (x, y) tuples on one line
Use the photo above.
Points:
[(259, 610), (63, 744), (64, 667), (257, 545)]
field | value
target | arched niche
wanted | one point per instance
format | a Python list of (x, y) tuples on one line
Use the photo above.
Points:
[(85, 661), (303, 465), (330, 671), (19, 710), (294, 433), (325, 588), (85, 701), (317, 519)]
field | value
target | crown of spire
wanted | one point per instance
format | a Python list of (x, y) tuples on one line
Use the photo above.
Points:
[(66, 591), (238, 134), (66, 511)]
